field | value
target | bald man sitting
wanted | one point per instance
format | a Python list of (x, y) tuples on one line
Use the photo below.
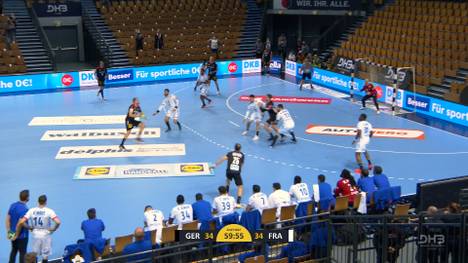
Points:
[(139, 245)]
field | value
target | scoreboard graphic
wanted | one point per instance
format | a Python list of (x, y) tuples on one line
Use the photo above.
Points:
[(235, 233)]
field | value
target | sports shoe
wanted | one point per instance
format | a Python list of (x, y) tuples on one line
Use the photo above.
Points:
[(121, 147), (244, 133), (139, 140), (362, 108), (219, 93), (378, 112), (167, 130), (274, 141), (294, 140), (203, 106), (255, 138)]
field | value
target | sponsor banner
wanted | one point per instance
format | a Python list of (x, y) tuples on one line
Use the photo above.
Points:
[(398, 99), (96, 134), (121, 76), (77, 120), (291, 68), (418, 103), (288, 99), (276, 64), (229, 67), (87, 78), (68, 8), (251, 66), (143, 171), (324, 4), (113, 151), (378, 132)]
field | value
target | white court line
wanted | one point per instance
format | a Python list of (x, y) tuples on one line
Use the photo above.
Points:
[(235, 124), (228, 105)]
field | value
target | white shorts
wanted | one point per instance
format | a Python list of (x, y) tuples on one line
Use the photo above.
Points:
[(255, 117), (361, 146), (42, 246), (204, 91), (286, 129), (173, 114)]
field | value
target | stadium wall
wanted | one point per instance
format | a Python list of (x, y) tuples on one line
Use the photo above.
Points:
[(448, 111)]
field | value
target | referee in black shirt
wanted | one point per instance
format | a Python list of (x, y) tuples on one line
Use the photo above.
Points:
[(101, 74)]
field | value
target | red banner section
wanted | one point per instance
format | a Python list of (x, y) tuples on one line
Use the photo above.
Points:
[(378, 132), (287, 99)]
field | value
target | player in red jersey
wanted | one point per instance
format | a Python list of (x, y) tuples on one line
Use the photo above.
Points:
[(371, 92)]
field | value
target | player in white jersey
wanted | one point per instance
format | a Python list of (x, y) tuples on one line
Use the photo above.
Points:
[(204, 84), (223, 204), (170, 105), (253, 114), (181, 213), (299, 191), (362, 139), (154, 220), (279, 198), (285, 123), (258, 200), (40, 220)]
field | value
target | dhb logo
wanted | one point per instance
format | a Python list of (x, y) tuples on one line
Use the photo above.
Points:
[(57, 8), (345, 63), (120, 75), (431, 240)]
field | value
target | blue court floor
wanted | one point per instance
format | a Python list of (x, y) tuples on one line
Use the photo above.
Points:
[(28, 163)]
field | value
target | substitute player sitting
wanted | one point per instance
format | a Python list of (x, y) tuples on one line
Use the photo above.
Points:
[(170, 105), (204, 84), (362, 139), (285, 125), (253, 114), (371, 92), (154, 220), (133, 119)]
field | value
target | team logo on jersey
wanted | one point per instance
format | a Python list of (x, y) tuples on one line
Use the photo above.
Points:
[(97, 171), (192, 168), (378, 132)]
